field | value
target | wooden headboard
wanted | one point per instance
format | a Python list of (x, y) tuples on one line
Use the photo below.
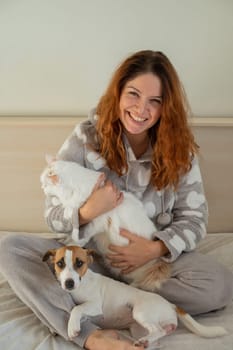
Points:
[(24, 141)]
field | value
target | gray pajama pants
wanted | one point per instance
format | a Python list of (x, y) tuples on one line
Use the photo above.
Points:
[(198, 283)]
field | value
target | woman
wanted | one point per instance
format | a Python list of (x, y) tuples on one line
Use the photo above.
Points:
[(140, 138)]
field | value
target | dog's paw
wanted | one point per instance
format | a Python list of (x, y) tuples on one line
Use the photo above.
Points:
[(73, 328), (73, 332)]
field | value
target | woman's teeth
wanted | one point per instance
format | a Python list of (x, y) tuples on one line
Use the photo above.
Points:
[(137, 119)]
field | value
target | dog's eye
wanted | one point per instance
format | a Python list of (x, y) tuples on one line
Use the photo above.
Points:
[(61, 264), (79, 263)]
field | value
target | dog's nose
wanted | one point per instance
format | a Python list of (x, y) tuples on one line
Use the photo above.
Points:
[(69, 284)]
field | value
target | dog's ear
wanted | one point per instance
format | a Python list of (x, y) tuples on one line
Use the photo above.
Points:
[(49, 255), (92, 255)]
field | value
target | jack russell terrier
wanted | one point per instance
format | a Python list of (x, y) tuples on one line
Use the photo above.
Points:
[(121, 306), (72, 184)]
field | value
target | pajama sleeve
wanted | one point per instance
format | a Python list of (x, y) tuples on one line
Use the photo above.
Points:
[(190, 216), (58, 219)]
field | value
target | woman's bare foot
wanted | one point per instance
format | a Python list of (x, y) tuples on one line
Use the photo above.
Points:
[(108, 340)]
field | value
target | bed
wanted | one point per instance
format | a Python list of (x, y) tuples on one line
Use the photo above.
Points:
[(24, 141)]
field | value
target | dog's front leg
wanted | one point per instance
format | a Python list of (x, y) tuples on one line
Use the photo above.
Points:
[(88, 309)]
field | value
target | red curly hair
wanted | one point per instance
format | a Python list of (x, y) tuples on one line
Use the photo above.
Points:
[(171, 138)]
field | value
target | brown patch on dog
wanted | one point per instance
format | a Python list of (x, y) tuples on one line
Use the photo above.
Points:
[(80, 255), (93, 255), (86, 256), (180, 311), (155, 275), (49, 255)]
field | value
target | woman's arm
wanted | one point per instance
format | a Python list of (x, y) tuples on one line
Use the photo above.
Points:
[(102, 200), (190, 214), (57, 218), (137, 253)]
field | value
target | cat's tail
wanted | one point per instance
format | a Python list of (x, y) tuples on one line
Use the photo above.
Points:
[(152, 276)]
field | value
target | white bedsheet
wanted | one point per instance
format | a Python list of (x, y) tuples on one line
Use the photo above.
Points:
[(20, 329)]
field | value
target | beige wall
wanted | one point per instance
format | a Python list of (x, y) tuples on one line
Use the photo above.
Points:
[(57, 56), (25, 141), (23, 145), (216, 160)]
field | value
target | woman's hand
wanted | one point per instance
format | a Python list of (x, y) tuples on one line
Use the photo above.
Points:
[(108, 340), (137, 253), (102, 199)]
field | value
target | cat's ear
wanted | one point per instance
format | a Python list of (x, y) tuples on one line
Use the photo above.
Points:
[(49, 158)]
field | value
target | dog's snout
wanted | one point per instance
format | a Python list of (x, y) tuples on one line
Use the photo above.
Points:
[(69, 284)]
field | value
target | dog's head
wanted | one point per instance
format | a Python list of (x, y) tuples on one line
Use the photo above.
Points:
[(70, 264)]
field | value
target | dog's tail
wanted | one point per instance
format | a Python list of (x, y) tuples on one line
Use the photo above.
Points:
[(197, 328)]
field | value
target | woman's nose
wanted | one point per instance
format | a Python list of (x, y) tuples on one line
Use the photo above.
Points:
[(142, 107)]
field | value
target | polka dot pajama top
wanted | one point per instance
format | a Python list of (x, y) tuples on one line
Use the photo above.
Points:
[(187, 204)]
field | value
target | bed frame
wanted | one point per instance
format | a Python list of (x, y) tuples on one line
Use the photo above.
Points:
[(24, 141)]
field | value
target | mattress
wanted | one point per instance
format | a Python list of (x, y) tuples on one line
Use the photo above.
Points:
[(20, 329)]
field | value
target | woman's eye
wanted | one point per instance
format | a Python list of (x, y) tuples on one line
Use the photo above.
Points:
[(79, 263), (133, 93), (155, 102)]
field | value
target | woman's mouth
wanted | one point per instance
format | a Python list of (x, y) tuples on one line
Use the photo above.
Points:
[(136, 118)]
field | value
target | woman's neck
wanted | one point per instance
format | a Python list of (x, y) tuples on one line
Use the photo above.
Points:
[(139, 143)]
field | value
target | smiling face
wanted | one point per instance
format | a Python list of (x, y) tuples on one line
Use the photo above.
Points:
[(141, 104)]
